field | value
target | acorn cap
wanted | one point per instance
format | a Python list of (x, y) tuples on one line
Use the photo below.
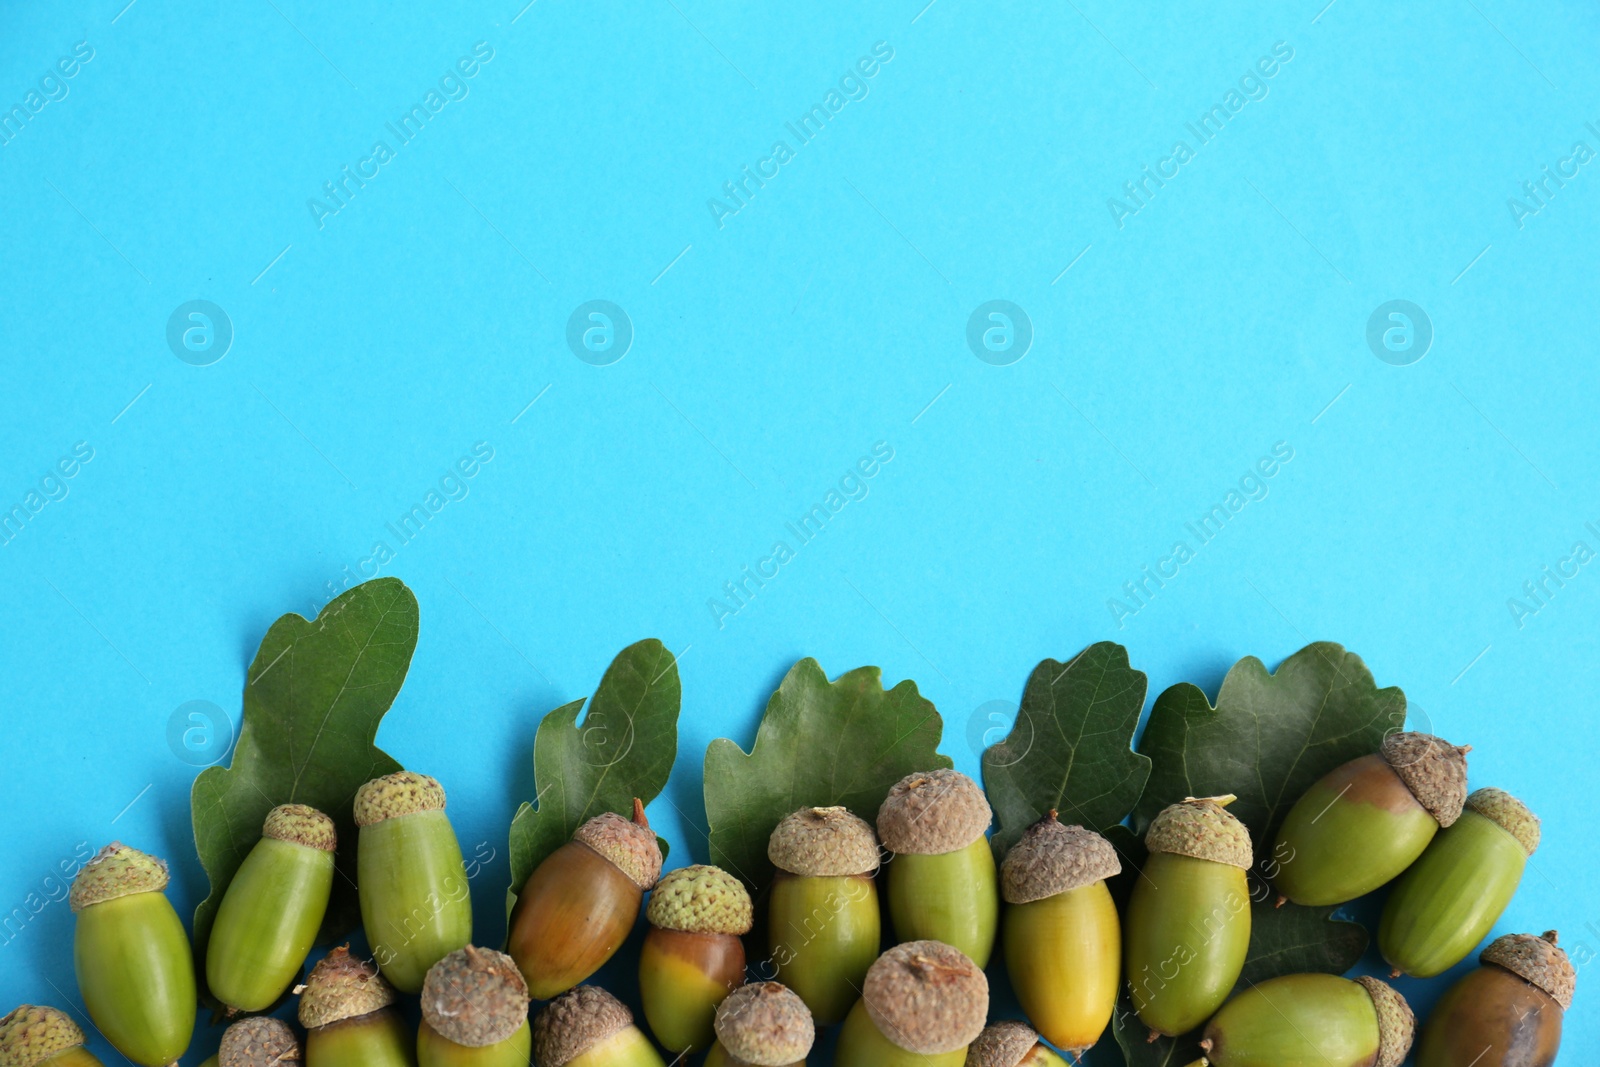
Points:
[(1509, 813), (1052, 858), (765, 1024), (823, 843), (1002, 1044), (1537, 961), (117, 871), (31, 1034), (1397, 1025), (342, 987), (933, 812), (574, 1022), (926, 997), (394, 795), (1433, 769), (475, 997), (701, 900), (258, 1042), (301, 825), (630, 846), (1200, 827)]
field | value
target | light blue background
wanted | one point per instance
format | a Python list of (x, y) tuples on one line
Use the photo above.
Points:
[(829, 314)]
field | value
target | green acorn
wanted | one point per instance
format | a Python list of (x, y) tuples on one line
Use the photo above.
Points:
[(824, 925), (1365, 822), (350, 1016), (135, 968), (943, 885), (257, 1042), (589, 1027), (921, 1005), (763, 1024), (415, 901), (1188, 922), (1011, 1044), (1313, 1019), (33, 1036), (693, 956), (1443, 907), (272, 910), (1508, 1012), (474, 1012)]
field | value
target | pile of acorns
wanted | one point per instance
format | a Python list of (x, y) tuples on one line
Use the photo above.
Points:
[(1403, 813)]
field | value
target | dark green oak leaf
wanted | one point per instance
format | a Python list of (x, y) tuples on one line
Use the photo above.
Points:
[(1295, 940), (1138, 1050)]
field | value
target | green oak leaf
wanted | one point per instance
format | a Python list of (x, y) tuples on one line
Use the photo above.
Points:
[(1295, 939), (1071, 748), (1138, 1050), (820, 743), (623, 749)]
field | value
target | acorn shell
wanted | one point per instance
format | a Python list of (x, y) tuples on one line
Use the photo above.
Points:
[(1052, 858), (1201, 827), (574, 1022), (926, 997), (342, 987), (31, 1034), (933, 812), (765, 1024), (1537, 961), (823, 843), (475, 997), (1433, 769)]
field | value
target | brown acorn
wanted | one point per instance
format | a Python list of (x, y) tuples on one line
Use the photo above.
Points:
[(921, 1005), (763, 1024), (1009, 1043), (1508, 1012), (350, 1016), (589, 1027), (474, 1012), (259, 1042), (693, 956), (577, 908), (33, 1036)]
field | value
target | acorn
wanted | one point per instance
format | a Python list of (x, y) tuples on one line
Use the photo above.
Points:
[(257, 1042), (578, 906), (1011, 1044), (351, 1018), (1188, 919), (474, 1012), (416, 905), (942, 882), (34, 1036), (135, 968), (763, 1024), (589, 1027), (1448, 901), (824, 925), (272, 910), (1319, 1019), (1365, 822), (693, 956), (1508, 1012), (1063, 941), (922, 1004)]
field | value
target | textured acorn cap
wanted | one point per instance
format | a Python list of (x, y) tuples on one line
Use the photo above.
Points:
[(1509, 813), (1202, 828), (475, 997), (1537, 961), (1002, 1044), (933, 812), (1433, 769), (117, 871), (258, 1042), (301, 825), (31, 1034), (574, 1022), (394, 795), (630, 846), (1052, 858), (765, 1024), (342, 987), (1397, 1025), (926, 997), (823, 843), (701, 900)]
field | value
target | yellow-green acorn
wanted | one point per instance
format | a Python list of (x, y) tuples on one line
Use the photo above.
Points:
[(1011, 1044), (1063, 941), (578, 906), (135, 968), (1365, 822), (1313, 1019), (33, 1036), (589, 1027), (258, 1042), (1508, 1012), (1449, 900), (824, 926), (474, 1012), (763, 1024), (272, 910), (415, 901), (942, 882), (1188, 923), (350, 1016), (921, 1005), (693, 956)]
